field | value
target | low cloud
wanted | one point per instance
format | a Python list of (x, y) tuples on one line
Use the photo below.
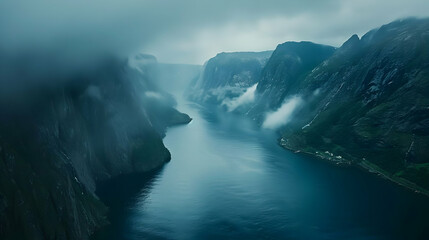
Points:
[(186, 31), (246, 98), (282, 115), (154, 95)]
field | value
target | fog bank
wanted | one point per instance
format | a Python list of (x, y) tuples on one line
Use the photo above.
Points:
[(246, 98), (283, 115)]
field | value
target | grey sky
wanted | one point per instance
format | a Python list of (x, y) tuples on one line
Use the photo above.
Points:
[(188, 31)]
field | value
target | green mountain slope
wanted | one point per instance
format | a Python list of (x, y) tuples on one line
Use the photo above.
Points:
[(372, 103)]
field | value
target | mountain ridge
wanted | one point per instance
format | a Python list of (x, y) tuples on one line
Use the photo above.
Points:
[(366, 102), (66, 138)]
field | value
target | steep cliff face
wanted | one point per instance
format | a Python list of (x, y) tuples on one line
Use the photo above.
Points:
[(64, 138), (369, 102), (254, 83), (288, 66), (366, 102), (227, 76)]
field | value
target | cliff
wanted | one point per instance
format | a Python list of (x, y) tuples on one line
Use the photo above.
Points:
[(227, 76), (61, 138), (372, 103), (366, 102)]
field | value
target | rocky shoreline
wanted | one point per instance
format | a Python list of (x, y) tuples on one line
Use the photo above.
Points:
[(361, 164)]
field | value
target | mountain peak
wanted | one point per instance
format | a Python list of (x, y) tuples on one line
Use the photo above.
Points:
[(351, 43)]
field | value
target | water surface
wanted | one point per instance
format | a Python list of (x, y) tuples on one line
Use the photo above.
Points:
[(230, 180)]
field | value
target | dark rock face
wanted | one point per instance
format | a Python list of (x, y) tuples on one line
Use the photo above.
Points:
[(372, 102), (65, 138), (367, 101), (228, 75), (287, 67)]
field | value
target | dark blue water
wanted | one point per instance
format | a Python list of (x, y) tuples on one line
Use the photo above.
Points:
[(230, 180)]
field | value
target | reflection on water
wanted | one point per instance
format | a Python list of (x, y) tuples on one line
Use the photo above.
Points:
[(229, 180), (119, 195)]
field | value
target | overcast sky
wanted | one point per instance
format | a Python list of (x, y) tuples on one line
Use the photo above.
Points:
[(189, 31)]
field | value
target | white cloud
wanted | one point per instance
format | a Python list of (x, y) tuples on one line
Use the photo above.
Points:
[(246, 98), (154, 95), (188, 31), (282, 115), (331, 26)]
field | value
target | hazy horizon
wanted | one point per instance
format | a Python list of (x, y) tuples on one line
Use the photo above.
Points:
[(188, 32)]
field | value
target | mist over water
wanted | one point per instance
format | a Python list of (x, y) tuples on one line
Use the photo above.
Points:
[(246, 98), (228, 179), (71, 73), (283, 115)]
